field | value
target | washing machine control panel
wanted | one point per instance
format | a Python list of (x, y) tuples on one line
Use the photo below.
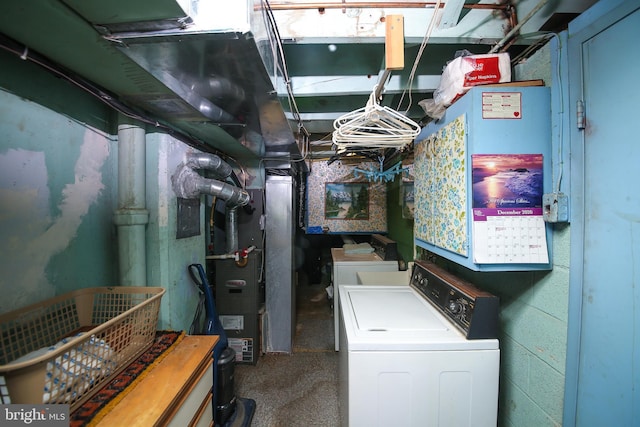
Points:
[(472, 310)]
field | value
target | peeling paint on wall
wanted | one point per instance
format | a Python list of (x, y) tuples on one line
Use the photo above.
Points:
[(25, 217), (31, 234)]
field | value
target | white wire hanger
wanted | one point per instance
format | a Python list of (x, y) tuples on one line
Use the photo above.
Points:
[(374, 126)]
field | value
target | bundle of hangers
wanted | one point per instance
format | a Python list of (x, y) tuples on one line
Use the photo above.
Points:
[(373, 126)]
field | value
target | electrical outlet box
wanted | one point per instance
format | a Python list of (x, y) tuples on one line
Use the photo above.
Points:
[(555, 207)]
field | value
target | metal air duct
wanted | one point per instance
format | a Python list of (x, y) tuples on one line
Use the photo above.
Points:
[(188, 184)]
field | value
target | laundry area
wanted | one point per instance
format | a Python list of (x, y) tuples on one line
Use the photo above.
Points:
[(340, 213)]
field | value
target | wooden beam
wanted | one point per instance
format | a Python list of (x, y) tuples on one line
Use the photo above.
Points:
[(394, 42), (451, 14)]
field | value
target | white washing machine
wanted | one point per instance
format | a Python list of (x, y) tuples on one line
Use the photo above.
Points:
[(420, 355)]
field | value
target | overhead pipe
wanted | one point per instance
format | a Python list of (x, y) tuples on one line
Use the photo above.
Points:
[(515, 29), (188, 184), (231, 231), (241, 257), (131, 216), (372, 5)]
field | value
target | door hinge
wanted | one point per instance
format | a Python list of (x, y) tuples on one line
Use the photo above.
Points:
[(581, 119)]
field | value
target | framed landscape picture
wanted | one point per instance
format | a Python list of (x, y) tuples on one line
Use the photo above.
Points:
[(349, 201), (338, 202), (407, 195)]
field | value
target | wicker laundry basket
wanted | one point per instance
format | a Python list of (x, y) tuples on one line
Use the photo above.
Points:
[(64, 349)]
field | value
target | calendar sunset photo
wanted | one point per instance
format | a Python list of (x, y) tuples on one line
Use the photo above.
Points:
[(507, 180)]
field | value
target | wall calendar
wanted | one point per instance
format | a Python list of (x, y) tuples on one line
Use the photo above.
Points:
[(507, 209)]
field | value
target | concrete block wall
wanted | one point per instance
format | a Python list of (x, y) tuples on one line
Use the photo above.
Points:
[(533, 337)]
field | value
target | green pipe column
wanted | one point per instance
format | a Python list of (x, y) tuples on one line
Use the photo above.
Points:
[(131, 217)]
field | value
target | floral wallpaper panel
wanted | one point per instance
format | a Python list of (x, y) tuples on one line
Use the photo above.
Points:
[(423, 209), (441, 188)]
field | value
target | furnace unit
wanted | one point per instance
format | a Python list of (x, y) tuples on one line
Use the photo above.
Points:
[(239, 300)]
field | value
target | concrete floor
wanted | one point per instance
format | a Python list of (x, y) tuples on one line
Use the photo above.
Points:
[(298, 389)]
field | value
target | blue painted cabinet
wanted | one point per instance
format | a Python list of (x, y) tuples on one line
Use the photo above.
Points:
[(480, 173)]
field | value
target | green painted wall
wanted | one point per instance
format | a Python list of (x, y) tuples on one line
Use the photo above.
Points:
[(399, 229), (168, 257), (58, 193), (533, 320), (56, 199)]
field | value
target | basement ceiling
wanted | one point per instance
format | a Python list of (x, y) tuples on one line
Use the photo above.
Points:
[(259, 80)]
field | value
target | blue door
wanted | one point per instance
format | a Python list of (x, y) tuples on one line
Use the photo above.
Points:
[(603, 357)]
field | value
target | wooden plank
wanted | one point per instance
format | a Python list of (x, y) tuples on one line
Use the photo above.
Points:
[(520, 83), (394, 42), (162, 388)]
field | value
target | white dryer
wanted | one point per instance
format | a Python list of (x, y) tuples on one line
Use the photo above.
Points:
[(420, 355)]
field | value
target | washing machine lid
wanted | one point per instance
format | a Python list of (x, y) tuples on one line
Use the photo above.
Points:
[(391, 278), (338, 255), (398, 318)]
